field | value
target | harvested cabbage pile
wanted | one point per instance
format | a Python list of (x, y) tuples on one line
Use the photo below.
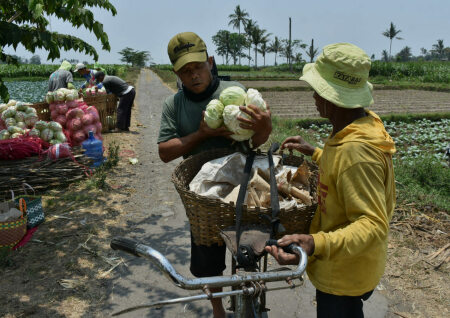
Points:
[(16, 119), (226, 110), (61, 95)]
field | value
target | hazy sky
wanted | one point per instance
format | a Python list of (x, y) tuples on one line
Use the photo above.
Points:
[(149, 25)]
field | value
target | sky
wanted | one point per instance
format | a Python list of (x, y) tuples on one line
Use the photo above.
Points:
[(149, 25)]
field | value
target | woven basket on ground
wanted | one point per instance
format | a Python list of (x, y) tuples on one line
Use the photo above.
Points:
[(11, 232), (208, 216)]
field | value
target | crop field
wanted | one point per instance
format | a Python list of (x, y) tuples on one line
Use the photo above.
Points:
[(300, 104), (30, 91), (44, 70)]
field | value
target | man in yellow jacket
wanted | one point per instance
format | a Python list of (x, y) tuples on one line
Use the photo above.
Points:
[(356, 189)]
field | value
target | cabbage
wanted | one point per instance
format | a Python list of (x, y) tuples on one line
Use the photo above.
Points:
[(60, 95), (16, 135), (20, 116), (31, 110), (71, 95), (14, 130), (3, 107), (233, 95), (11, 102), (60, 136), (21, 124), (4, 134), (53, 125), (41, 125), (47, 134), (21, 106), (49, 97), (230, 114), (10, 122), (255, 98), (213, 114), (31, 120), (9, 112), (55, 141), (35, 132)]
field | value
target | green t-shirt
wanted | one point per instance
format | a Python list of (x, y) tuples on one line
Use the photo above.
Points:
[(184, 119)]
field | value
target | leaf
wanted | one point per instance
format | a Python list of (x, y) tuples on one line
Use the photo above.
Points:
[(4, 91)]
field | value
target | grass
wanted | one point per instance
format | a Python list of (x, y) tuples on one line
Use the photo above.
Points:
[(424, 181), (167, 76)]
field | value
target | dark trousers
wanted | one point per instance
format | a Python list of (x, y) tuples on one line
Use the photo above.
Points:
[(124, 110), (332, 306)]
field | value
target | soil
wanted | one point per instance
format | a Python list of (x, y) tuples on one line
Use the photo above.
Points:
[(301, 104), (69, 270)]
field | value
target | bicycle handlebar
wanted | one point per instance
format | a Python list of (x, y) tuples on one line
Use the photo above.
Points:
[(133, 247)]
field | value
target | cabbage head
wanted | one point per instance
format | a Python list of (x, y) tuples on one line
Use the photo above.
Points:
[(4, 134), (255, 98), (230, 114), (213, 114), (233, 95)]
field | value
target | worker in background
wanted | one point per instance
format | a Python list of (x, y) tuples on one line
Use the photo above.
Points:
[(125, 92), (88, 74), (61, 78)]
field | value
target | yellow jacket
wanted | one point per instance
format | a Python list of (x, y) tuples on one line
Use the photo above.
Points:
[(356, 201)]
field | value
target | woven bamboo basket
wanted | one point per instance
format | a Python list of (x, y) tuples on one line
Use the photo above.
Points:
[(12, 232), (208, 216), (106, 106)]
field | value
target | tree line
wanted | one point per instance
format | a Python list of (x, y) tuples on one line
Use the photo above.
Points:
[(251, 40)]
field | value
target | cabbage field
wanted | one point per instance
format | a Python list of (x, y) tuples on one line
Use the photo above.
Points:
[(44, 70), (420, 138), (30, 91)]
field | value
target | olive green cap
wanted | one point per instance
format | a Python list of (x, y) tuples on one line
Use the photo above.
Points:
[(340, 75), (185, 48)]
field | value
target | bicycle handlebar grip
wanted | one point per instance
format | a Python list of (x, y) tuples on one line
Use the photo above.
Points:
[(288, 249), (125, 244)]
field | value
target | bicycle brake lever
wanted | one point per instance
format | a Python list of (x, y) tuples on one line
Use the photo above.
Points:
[(288, 249)]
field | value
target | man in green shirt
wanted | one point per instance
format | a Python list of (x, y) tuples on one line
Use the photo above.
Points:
[(183, 132)]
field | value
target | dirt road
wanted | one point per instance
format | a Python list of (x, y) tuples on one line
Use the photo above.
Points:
[(156, 216)]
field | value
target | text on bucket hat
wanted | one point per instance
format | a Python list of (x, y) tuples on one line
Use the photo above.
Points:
[(185, 48), (340, 75)]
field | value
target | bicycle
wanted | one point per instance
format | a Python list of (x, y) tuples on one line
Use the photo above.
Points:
[(249, 288)]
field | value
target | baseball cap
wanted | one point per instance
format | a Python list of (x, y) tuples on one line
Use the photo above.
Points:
[(185, 48), (340, 75), (79, 66)]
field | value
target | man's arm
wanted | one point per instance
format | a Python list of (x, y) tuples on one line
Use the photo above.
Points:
[(179, 146)]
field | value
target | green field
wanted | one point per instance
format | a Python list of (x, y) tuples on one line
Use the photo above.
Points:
[(44, 70)]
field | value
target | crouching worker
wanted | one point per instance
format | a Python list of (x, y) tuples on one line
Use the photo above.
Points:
[(356, 189), (125, 92)]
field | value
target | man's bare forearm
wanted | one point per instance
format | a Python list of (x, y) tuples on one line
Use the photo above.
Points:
[(177, 147)]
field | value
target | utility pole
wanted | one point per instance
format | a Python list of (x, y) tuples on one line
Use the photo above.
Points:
[(289, 51)]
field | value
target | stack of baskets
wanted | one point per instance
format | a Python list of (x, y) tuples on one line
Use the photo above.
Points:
[(208, 216)]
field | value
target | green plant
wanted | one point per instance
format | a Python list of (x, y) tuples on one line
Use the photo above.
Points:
[(26, 22)]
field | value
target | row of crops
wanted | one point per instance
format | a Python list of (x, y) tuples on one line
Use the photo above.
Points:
[(31, 91), (44, 70), (417, 71), (412, 139)]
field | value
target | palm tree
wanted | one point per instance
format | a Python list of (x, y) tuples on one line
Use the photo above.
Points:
[(248, 27), (222, 41), (264, 48), (385, 56), (312, 51), (404, 55), (275, 47), (439, 48), (237, 18), (258, 36), (391, 33)]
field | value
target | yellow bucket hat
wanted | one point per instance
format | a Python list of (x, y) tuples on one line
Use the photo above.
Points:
[(340, 75)]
